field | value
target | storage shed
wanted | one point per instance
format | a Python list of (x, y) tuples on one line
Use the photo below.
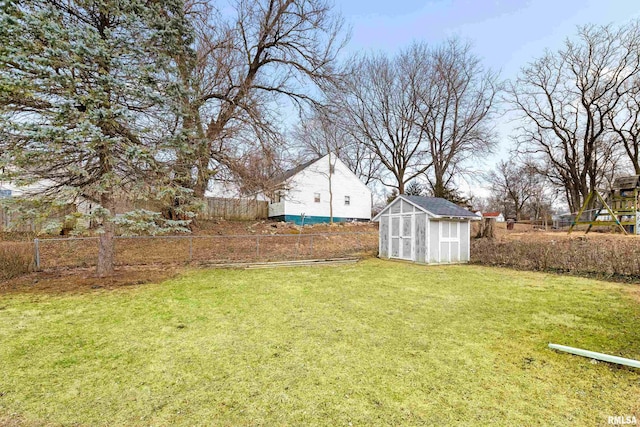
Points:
[(425, 229)]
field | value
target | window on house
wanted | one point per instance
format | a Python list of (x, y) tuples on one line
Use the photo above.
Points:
[(316, 197), (347, 200), (332, 169)]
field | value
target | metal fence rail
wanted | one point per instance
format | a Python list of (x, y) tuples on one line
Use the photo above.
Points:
[(140, 250)]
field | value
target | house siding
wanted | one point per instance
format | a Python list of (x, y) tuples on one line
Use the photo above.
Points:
[(300, 190)]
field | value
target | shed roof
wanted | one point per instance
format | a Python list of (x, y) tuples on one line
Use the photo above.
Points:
[(435, 206), (439, 206)]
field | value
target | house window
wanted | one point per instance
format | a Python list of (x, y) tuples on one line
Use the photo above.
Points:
[(347, 200), (332, 169), (277, 197), (316, 197)]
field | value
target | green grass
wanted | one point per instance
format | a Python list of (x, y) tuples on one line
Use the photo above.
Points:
[(377, 343)]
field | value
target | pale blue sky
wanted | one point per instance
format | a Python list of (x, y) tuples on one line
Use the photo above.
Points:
[(506, 34)]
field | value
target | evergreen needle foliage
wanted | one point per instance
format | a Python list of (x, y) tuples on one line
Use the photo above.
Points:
[(84, 86)]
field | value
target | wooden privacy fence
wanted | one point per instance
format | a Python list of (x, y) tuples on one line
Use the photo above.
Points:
[(214, 208), (241, 209)]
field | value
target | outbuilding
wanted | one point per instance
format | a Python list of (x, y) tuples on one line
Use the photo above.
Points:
[(428, 230)]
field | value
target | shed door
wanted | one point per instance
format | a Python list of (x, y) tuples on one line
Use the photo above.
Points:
[(395, 237), (406, 237), (401, 237)]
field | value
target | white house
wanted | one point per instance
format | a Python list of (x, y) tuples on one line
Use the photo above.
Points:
[(498, 216), (318, 190), (429, 230)]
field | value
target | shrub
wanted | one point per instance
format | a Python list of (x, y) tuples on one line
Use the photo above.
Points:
[(15, 259), (604, 257)]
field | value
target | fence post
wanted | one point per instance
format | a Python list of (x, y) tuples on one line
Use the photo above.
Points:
[(359, 242), (36, 244), (257, 247), (311, 245), (190, 248)]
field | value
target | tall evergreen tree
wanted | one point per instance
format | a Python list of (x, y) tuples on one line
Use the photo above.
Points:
[(83, 84)]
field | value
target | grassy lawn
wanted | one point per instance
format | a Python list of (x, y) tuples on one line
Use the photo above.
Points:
[(370, 344)]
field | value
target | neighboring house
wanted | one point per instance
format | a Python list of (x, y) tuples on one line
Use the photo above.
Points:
[(8, 189), (319, 190), (428, 230), (495, 215)]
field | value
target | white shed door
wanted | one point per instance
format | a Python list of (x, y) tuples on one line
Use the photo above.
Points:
[(405, 237), (395, 237), (401, 236)]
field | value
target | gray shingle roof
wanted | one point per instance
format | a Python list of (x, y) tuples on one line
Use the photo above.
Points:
[(440, 207), (291, 172)]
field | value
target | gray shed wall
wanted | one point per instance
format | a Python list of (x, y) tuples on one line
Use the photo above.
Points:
[(384, 236), (416, 236), (434, 241), (464, 241), (420, 237)]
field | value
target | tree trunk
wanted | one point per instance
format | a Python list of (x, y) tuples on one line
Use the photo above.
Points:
[(106, 244), (439, 189), (203, 176), (486, 228), (330, 192)]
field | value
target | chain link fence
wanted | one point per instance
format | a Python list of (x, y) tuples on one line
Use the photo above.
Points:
[(142, 250)]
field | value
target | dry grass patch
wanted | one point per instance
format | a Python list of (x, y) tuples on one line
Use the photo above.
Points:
[(16, 259)]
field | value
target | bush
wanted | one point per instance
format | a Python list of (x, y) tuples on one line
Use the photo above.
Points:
[(603, 257), (15, 259)]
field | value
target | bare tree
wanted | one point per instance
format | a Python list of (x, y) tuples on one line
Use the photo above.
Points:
[(319, 136), (513, 186), (322, 129), (625, 123), (378, 102), (567, 98), (249, 60), (456, 107)]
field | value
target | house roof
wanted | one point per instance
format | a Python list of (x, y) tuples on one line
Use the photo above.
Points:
[(291, 172), (491, 214), (294, 171)]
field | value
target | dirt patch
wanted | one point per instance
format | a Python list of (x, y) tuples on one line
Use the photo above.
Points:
[(221, 241), (69, 264), (84, 280), (17, 421)]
